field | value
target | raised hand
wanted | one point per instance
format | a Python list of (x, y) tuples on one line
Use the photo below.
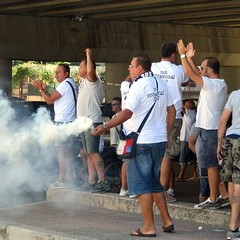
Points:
[(190, 50)]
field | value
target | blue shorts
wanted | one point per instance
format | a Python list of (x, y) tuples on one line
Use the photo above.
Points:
[(90, 142), (68, 142), (207, 148), (143, 171), (187, 157)]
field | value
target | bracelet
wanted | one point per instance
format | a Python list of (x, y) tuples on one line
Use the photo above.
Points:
[(182, 56), (40, 90)]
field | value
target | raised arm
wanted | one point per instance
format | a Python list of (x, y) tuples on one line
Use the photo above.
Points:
[(196, 77), (190, 54), (91, 71)]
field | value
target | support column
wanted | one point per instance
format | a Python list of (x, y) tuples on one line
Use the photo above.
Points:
[(115, 74), (6, 76)]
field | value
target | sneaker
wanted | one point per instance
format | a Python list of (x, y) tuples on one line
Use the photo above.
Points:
[(87, 186), (169, 198), (208, 204), (232, 235), (58, 184), (101, 186), (123, 192), (133, 196), (224, 202), (171, 192)]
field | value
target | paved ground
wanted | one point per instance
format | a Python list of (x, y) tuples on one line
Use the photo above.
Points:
[(55, 221)]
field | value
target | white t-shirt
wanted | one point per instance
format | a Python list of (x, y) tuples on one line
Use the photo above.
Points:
[(114, 137), (175, 76), (233, 105), (125, 87), (90, 97), (212, 99), (139, 100), (64, 107), (189, 117)]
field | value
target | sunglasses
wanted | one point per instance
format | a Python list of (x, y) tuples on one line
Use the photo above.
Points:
[(115, 104)]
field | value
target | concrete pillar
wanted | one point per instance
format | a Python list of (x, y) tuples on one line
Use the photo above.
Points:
[(232, 77), (115, 74), (6, 76)]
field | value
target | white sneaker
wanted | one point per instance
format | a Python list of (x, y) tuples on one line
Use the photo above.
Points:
[(171, 192), (123, 192), (169, 198), (208, 204), (58, 184), (133, 196)]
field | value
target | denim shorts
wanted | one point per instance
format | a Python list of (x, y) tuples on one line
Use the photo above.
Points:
[(230, 171), (207, 148), (68, 142), (90, 142), (187, 157), (143, 171)]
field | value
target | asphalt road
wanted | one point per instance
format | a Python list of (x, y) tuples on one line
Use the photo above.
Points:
[(75, 221)]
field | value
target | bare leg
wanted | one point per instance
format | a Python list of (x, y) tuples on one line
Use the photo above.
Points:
[(69, 164), (213, 179), (172, 178), (235, 211), (159, 199), (91, 170), (146, 203), (124, 176), (223, 190), (61, 163), (98, 165), (194, 170), (182, 172), (165, 172)]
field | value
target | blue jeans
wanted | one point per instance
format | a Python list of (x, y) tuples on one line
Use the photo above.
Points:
[(143, 171)]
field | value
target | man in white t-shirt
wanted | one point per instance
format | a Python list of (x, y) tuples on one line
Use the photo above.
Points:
[(175, 77), (63, 99), (143, 169), (212, 100), (90, 97)]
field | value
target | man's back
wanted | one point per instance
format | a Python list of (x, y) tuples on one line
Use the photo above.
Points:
[(174, 76), (90, 98)]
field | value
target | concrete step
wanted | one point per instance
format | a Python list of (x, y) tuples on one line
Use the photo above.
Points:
[(112, 201)]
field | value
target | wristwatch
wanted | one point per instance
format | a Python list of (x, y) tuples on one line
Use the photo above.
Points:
[(182, 56), (105, 125)]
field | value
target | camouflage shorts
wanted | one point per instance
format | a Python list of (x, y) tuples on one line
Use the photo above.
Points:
[(230, 171), (175, 147)]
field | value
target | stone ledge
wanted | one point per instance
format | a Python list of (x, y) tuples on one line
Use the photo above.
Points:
[(112, 201)]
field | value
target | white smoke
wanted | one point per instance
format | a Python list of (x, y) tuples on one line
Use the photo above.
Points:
[(27, 152)]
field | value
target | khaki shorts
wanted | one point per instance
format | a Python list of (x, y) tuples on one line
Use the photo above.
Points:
[(230, 171), (175, 145)]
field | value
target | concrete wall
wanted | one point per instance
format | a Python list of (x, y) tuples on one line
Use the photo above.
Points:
[(39, 38), (113, 42)]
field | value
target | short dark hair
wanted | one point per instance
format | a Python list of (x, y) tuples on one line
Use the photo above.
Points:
[(213, 63), (66, 68), (167, 49), (144, 61), (85, 62), (117, 99)]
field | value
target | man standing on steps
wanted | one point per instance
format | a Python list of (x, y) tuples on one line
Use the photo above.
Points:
[(89, 102)]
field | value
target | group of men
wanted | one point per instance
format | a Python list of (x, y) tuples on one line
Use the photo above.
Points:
[(149, 171)]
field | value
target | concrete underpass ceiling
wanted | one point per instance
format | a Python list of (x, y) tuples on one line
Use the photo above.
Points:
[(219, 13)]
